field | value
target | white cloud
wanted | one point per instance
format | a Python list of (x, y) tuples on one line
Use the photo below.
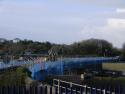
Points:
[(103, 3), (116, 23), (113, 31), (120, 10)]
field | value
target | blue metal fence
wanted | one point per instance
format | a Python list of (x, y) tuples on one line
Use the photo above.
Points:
[(42, 69), (58, 67)]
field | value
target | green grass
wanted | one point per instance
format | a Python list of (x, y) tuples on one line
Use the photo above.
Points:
[(106, 81), (114, 66)]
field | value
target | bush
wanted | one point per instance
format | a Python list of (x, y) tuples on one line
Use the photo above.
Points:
[(13, 78)]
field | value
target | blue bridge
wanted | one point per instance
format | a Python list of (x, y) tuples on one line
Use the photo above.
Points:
[(40, 70)]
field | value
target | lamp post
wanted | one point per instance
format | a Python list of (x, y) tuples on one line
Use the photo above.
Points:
[(105, 52)]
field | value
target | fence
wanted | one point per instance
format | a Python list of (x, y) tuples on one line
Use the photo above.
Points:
[(64, 87), (60, 87), (25, 90)]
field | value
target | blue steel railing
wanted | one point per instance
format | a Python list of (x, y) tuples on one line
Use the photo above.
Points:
[(15, 64), (42, 69), (56, 63)]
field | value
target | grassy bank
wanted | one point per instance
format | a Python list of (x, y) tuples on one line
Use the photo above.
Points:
[(114, 66)]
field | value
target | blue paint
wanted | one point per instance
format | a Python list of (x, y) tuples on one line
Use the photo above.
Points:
[(41, 70)]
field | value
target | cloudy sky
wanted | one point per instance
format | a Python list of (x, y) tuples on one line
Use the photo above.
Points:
[(63, 21)]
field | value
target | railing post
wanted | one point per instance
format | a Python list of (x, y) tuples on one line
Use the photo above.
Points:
[(123, 90), (76, 91), (24, 90), (45, 90), (104, 91), (41, 90), (95, 90), (30, 90), (2, 90), (71, 90), (66, 90), (101, 91), (109, 89), (21, 90), (85, 89), (90, 90), (53, 82), (50, 89), (7, 89), (58, 86), (81, 90), (56, 90), (119, 89), (36, 90), (14, 89), (114, 89), (19, 87), (60, 90)]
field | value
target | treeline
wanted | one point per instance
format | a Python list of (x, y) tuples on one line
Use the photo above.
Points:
[(90, 47)]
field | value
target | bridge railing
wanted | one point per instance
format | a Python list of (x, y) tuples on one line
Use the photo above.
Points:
[(45, 89), (73, 88), (29, 62)]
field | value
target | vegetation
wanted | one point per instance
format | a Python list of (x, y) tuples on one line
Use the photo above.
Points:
[(91, 47), (114, 66), (14, 78), (123, 50), (106, 81)]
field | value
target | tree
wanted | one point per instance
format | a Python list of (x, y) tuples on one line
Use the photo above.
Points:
[(123, 50), (92, 47), (14, 78)]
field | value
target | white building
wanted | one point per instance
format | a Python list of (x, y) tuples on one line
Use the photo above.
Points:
[(16, 40)]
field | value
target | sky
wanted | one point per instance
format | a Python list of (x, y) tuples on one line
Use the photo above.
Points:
[(63, 21)]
